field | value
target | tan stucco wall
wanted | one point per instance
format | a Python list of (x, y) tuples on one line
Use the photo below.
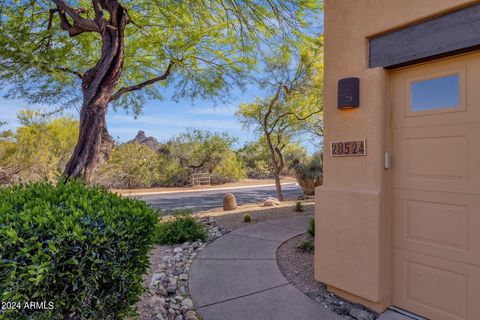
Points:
[(352, 244)]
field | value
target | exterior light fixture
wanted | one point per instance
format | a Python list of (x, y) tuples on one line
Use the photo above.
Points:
[(348, 93)]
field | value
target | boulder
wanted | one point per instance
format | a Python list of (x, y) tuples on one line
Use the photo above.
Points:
[(271, 202), (229, 202)]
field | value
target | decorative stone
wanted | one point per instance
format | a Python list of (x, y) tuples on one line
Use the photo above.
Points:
[(160, 290), (169, 282), (190, 315), (188, 303), (156, 301), (156, 278), (229, 202), (271, 202), (178, 250), (171, 289), (181, 290)]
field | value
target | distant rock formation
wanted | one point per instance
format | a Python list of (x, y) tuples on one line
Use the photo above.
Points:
[(150, 142)]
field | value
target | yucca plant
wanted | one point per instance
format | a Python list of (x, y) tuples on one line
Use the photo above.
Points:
[(309, 174)]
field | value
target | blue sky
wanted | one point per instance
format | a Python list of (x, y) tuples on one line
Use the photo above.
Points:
[(164, 119), (161, 119)]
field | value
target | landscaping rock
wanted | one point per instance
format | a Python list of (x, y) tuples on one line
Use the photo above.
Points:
[(156, 278), (156, 301), (178, 250), (168, 285), (160, 290), (229, 202), (271, 202), (190, 315), (187, 303)]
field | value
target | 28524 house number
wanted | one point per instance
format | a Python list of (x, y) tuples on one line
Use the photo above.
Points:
[(348, 148)]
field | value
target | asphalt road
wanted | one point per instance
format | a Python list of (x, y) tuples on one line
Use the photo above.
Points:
[(204, 200)]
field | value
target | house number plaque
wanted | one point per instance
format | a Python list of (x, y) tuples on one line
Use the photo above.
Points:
[(348, 148)]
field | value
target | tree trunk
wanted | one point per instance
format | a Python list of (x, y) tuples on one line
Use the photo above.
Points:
[(278, 186), (277, 168), (98, 85)]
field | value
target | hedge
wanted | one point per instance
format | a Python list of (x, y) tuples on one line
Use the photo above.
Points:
[(82, 249)]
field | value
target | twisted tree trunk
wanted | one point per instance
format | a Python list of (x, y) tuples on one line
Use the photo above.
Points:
[(98, 85)]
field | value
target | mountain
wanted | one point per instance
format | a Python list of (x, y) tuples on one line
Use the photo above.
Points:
[(150, 142)]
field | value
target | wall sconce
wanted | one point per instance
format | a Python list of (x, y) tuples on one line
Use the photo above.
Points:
[(348, 93)]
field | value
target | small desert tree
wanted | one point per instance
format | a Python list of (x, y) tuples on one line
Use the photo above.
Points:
[(294, 77), (200, 149), (101, 53)]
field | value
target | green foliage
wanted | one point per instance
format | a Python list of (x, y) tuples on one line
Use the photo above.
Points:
[(179, 228), (311, 227), (130, 166), (292, 103), (39, 149), (213, 45), (298, 207), (200, 149), (133, 165), (294, 78), (230, 168), (305, 245), (258, 161), (84, 249), (247, 217)]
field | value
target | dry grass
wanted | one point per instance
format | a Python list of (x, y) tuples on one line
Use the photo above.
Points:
[(233, 219)]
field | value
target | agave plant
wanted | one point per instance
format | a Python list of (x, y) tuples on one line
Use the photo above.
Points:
[(309, 174)]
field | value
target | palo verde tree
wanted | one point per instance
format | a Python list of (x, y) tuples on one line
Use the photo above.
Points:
[(200, 150), (100, 53), (294, 106)]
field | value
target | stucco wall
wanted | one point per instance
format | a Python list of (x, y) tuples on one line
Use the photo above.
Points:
[(352, 245)]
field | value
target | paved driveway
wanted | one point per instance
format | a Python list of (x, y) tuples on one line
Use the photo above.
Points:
[(204, 200)]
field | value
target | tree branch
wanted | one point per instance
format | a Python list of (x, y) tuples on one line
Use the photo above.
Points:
[(68, 70), (141, 85), (80, 24)]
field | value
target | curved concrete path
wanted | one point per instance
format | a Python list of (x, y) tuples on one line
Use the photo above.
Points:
[(237, 277)]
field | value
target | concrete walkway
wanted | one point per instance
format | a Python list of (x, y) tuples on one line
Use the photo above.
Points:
[(237, 277)]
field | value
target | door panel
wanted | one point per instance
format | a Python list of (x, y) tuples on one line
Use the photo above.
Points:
[(436, 188)]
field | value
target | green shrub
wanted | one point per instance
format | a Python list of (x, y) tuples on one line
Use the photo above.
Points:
[(179, 228), (231, 168), (311, 227), (130, 165), (298, 207), (83, 249), (305, 246), (247, 217)]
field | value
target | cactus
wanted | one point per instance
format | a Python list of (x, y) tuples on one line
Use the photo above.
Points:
[(298, 207), (247, 217)]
